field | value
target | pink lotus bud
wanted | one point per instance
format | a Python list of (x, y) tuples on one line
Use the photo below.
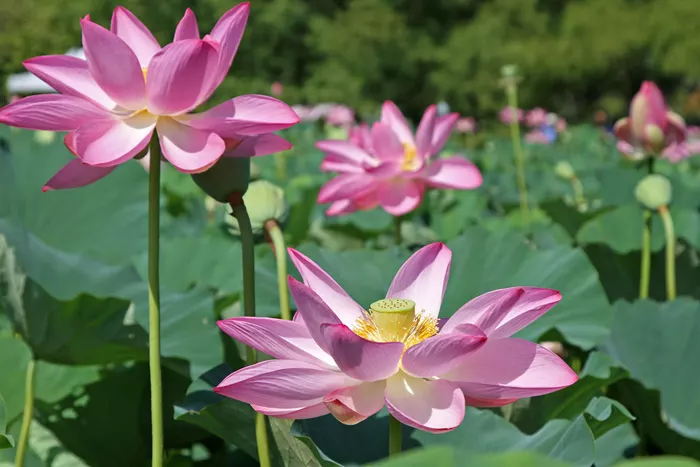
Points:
[(648, 107), (536, 117), (466, 125), (277, 89), (509, 114)]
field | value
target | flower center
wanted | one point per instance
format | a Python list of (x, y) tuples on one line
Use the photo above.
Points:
[(410, 158), (145, 72), (395, 320)]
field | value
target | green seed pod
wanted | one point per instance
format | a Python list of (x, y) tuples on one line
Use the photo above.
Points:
[(564, 170), (264, 201), (229, 175), (653, 191), (44, 137)]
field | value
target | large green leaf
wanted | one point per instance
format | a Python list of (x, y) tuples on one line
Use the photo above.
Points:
[(604, 414), (44, 450), (615, 445), (663, 461), (657, 343), (6, 441)]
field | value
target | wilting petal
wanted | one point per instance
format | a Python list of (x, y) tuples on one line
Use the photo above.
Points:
[(346, 150), (423, 278), (676, 130), (424, 133), (278, 338), (501, 313), (228, 31), (360, 358), (443, 129), (392, 116), (111, 142), (312, 411), (435, 406), (76, 174), (187, 27), (137, 36), (179, 75), (69, 75), (453, 172), (53, 112), (506, 369), (318, 280), (262, 145), (623, 130), (247, 115), (114, 66), (188, 149), (385, 143), (443, 352), (354, 404), (344, 186), (399, 197), (282, 384), (313, 309)]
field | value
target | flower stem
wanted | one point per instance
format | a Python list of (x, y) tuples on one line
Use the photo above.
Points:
[(281, 166), (23, 442), (154, 303), (512, 91), (397, 230), (394, 436), (670, 252), (239, 211), (280, 250), (646, 256)]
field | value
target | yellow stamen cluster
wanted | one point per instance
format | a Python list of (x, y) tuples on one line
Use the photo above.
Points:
[(145, 72), (395, 320), (410, 158)]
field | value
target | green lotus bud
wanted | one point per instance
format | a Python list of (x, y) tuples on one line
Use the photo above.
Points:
[(509, 71), (229, 175), (264, 201), (564, 170), (653, 191), (44, 137)]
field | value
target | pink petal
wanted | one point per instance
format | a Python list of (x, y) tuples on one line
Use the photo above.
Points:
[(318, 280), (345, 150), (424, 133), (392, 116), (179, 76), (282, 384), (334, 163), (453, 172), (360, 358), (53, 112), (385, 143), (76, 174), (314, 311), (399, 197), (648, 107), (111, 142), (247, 115), (187, 27), (506, 369), (487, 403), (423, 278), (501, 313), (443, 129), (443, 352), (228, 31), (435, 406), (354, 404), (623, 130), (69, 75), (137, 36), (278, 338), (342, 207), (188, 149), (344, 186), (114, 66), (262, 145), (312, 411)]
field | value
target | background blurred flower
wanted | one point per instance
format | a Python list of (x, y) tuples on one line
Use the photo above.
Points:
[(466, 125), (507, 114), (340, 115), (277, 89), (536, 117)]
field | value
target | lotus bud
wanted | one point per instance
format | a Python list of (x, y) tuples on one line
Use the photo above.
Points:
[(228, 175), (653, 191), (264, 201), (564, 170), (648, 107), (44, 137), (509, 71)]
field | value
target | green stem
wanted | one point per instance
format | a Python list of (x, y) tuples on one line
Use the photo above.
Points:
[(154, 303), (394, 436), (280, 249), (281, 166), (579, 197), (646, 256), (239, 211), (23, 442), (670, 252), (512, 91), (397, 230)]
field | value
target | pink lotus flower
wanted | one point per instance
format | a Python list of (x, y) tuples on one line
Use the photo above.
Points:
[(650, 127), (538, 137), (507, 114), (536, 117), (393, 169), (337, 358), (129, 87), (466, 125), (340, 115), (277, 89)]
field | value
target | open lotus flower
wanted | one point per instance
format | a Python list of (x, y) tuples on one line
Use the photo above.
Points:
[(650, 127), (465, 125), (129, 87), (536, 117), (508, 114), (337, 358), (393, 169)]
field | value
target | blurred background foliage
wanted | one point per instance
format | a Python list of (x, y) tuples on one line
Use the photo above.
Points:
[(577, 56)]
